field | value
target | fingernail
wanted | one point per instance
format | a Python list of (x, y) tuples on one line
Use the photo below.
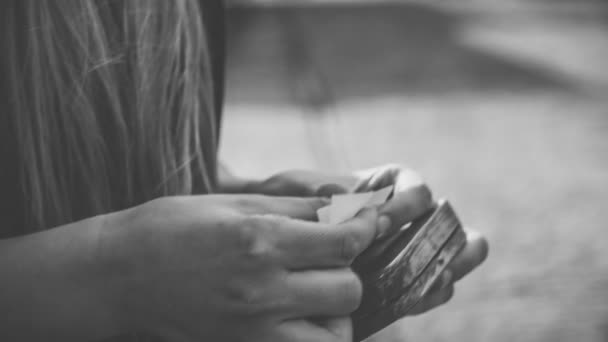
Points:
[(384, 226)]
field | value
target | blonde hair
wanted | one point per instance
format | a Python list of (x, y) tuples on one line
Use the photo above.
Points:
[(112, 104)]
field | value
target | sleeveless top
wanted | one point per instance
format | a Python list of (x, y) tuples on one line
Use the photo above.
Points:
[(12, 199)]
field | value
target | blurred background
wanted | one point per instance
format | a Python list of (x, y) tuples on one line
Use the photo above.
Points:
[(502, 105)]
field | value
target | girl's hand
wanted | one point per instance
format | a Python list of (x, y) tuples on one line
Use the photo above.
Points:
[(411, 198), (238, 268)]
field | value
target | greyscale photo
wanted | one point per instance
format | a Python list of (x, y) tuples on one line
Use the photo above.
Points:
[(304, 170)]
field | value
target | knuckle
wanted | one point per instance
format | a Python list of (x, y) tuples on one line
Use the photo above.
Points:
[(253, 238), (245, 232)]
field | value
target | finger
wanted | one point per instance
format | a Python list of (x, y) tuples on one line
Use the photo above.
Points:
[(294, 207), (307, 331), (399, 176), (405, 206), (335, 292), (405, 179), (306, 245), (376, 250), (376, 178), (433, 300), (473, 254), (411, 198), (329, 190)]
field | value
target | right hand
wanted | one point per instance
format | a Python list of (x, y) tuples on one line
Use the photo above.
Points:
[(239, 268)]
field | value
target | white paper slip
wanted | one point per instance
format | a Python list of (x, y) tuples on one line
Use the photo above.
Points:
[(345, 207), (380, 196), (324, 213)]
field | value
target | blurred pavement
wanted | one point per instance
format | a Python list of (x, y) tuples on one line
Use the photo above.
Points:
[(501, 105)]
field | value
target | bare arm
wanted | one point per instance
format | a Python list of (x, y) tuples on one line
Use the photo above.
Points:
[(56, 286), (187, 269)]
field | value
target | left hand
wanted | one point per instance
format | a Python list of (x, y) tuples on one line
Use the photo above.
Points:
[(304, 183), (411, 198)]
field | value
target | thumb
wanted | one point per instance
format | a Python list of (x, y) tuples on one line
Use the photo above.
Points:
[(329, 190)]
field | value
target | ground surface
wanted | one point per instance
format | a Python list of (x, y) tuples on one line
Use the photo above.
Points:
[(503, 108)]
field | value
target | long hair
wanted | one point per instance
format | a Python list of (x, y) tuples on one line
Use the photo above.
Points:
[(111, 103)]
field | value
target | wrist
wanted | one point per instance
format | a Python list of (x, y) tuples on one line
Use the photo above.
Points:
[(62, 284)]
